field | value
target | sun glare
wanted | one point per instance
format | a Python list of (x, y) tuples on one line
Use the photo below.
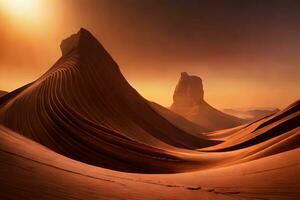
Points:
[(22, 9)]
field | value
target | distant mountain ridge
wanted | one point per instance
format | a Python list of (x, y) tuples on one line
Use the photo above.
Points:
[(251, 114)]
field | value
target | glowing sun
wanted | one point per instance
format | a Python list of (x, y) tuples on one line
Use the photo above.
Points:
[(23, 9)]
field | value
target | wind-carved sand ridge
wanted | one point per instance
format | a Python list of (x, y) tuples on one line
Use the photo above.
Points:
[(81, 131)]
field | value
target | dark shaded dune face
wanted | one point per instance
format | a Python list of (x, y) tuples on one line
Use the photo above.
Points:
[(2, 93), (290, 110), (178, 120), (84, 108), (282, 127)]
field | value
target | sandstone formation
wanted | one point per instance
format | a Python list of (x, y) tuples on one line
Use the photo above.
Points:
[(188, 101)]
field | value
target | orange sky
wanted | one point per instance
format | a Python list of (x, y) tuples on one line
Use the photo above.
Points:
[(246, 53)]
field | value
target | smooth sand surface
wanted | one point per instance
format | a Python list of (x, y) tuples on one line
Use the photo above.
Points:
[(31, 171)]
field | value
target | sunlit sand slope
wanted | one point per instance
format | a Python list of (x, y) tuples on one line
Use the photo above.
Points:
[(31, 171)]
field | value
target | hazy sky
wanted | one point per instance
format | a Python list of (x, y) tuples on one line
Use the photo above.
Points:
[(246, 52)]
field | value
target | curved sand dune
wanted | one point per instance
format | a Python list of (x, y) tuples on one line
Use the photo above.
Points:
[(82, 116), (178, 120), (28, 170), (277, 125), (84, 108)]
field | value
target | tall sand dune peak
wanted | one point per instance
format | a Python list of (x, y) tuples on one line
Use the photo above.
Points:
[(84, 108)]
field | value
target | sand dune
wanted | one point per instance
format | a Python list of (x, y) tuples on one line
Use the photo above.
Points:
[(82, 132), (84, 108), (284, 124), (178, 120), (31, 171), (2, 93)]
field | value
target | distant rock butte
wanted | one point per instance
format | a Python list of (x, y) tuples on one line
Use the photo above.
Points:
[(189, 90), (188, 101)]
